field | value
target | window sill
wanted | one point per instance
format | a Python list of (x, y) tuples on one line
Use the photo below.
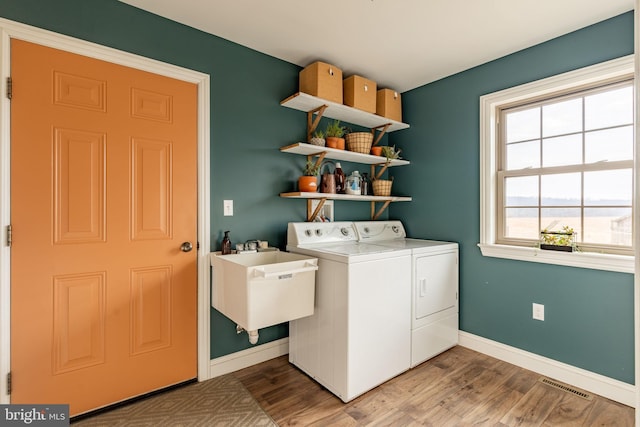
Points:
[(609, 262)]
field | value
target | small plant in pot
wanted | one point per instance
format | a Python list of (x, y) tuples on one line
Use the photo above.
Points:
[(382, 187), (318, 138), (390, 152), (308, 182), (563, 240), (333, 135)]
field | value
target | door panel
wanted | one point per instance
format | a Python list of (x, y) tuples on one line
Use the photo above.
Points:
[(436, 278), (104, 191)]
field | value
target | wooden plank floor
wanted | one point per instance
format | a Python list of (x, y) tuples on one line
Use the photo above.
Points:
[(457, 388)]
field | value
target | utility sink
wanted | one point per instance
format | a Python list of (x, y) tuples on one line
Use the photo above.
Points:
[(262, 289)]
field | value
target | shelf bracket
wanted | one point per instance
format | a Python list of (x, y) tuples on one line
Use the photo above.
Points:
[(312, 123), (311, 216), (320, 155), (382, 129), (375, 215)]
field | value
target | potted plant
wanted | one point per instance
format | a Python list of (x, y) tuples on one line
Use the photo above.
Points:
[(563, 240), (390, 152), (382, 187), (308, 182), (318, 138), (333, 135)]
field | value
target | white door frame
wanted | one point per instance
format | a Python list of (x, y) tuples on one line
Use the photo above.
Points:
[(9, 30)]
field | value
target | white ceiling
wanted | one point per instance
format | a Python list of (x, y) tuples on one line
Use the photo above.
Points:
[(400, 44)]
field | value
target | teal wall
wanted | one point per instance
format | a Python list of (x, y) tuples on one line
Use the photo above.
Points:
[(588, 313)]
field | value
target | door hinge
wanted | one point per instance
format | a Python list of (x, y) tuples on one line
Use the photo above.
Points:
[(9, 87), (9, 235), (9, 383), (197, 245)]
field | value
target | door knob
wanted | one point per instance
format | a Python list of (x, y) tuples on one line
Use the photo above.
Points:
[(186, 247)]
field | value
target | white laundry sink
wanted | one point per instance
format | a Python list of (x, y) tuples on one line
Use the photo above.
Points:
[(262, 289)]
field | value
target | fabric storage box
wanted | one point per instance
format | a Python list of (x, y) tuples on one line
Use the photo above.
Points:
[(389, 105), (322, 80), (360, 93)]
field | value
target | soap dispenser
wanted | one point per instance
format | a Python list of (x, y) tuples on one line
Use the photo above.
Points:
[(226, 244)]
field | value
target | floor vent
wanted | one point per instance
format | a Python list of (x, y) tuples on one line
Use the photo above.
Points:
[(566, 388)]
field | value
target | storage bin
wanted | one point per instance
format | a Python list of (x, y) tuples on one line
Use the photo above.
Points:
[(389, 105), (322, 80), (360, 93)]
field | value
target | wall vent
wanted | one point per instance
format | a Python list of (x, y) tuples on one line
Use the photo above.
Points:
[(565, 387)]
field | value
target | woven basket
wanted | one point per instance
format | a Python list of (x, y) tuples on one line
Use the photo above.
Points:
[(360, 142), (382, 187)]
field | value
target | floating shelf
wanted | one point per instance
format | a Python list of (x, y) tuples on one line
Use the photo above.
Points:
[(304, 102), (343, 155), (323, 197), (352, 197)]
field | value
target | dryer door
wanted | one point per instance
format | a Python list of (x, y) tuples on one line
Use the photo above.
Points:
[(436, 283)]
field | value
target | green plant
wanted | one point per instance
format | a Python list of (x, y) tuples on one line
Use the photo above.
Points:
[(311, 168), (390, 152), (318, 134), (558, 238), (334, 129)]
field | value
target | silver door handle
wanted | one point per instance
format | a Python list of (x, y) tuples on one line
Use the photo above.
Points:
[(186, 247)]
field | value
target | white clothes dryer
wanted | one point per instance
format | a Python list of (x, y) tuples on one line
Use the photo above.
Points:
[(434, 272)]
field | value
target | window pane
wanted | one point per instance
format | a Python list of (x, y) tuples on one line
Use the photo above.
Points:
[(560, 189), (607, 226), (521, 191), (611, 144), (523, 155), (562, 150), (554, 219), (611, 108), (562, 117), (521, 223), (608, 188), (523, 125)]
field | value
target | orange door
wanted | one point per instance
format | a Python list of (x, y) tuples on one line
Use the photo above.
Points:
[(103, 194)]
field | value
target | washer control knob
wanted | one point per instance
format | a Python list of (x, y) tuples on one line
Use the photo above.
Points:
[(367, 230), (395, 229), (307, 233), (344, 231), (318, 232)]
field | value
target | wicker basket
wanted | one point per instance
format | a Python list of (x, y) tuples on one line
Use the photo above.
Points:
[(360, 142), (382, 187)]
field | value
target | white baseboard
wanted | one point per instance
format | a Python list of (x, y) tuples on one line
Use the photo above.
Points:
[(577, 377), (249, 357)]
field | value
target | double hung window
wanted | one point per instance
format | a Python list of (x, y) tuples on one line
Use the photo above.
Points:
[(566, 163), (555, 155)]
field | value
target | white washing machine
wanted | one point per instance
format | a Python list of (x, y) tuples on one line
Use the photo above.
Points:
[(360, 333), (434, 309)]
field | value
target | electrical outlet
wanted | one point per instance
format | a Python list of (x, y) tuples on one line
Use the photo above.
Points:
[(538, 311), (228, 208)]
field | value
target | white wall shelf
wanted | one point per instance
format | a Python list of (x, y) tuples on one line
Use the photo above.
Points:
[(304, 102), (343, 155), (323, 108), (352, 197)]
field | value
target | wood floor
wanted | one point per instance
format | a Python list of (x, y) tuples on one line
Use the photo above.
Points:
[(457, 388)]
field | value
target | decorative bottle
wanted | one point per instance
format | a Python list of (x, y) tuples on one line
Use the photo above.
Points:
[(226, 244), (365, 187), (339, 179)]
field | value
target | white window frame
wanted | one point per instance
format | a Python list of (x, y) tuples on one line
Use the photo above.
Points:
[(489, 105)]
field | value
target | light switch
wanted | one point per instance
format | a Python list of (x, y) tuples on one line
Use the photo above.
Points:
[(228, 208)]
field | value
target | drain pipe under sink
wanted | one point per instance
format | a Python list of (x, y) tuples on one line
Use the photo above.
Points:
[(253, 335)]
